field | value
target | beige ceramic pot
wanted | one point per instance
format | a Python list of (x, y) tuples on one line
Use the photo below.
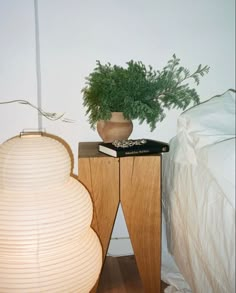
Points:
[(116, 128)]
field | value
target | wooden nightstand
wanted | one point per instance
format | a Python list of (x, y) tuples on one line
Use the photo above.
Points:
[(135, 182)]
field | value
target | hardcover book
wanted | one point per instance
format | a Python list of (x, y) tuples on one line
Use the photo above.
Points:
[(122, 148)]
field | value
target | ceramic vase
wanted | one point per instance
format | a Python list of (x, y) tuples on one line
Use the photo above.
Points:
[(117, 128)]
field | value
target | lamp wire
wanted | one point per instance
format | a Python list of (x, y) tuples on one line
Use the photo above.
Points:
[(38, 65)]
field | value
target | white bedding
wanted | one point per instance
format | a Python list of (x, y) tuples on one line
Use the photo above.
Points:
[(198, 195)]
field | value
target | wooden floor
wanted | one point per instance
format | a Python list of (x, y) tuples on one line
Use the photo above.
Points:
[(120, 275)]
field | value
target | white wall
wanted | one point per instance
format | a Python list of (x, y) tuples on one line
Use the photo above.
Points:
[(75, 33)]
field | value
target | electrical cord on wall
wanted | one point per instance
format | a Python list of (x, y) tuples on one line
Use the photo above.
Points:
[(38, 64)]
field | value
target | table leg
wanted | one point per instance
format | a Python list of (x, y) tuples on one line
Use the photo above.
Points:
[(141, 203), (101, 178)]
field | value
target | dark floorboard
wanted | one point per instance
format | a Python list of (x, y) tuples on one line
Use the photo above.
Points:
[(120, 275)]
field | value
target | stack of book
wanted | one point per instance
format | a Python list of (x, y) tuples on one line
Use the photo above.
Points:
[(122, 148)]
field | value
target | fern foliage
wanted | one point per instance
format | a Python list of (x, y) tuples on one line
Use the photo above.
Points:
[(139, 91)]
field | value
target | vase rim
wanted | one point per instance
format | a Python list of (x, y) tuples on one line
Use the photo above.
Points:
[(117, 113), (119, 116)]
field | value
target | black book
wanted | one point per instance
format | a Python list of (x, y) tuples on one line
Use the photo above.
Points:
[(122, 148)]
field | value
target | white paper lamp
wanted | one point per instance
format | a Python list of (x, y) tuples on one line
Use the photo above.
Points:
[(46, 242)]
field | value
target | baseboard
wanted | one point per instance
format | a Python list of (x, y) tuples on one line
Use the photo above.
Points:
[(120, 247)]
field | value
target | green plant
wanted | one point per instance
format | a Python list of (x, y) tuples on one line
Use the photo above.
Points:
[(138, 91)]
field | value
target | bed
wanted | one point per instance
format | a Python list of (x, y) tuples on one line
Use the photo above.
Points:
[(198, 200)]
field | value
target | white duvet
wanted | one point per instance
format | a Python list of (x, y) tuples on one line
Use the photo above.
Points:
[(198, 197)]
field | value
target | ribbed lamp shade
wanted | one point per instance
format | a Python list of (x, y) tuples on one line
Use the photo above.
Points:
[(46, 242)]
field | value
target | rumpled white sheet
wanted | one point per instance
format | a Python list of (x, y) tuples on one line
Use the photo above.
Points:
[(199, 201)]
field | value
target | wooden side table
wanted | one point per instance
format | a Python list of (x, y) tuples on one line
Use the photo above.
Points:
[(135, 182)]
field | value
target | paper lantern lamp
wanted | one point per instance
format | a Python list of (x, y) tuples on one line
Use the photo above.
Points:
[(46, 242)]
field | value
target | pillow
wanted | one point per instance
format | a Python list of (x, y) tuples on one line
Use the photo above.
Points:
[(211, 121)]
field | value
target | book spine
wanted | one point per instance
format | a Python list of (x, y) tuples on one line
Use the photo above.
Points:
[(123, 153)]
